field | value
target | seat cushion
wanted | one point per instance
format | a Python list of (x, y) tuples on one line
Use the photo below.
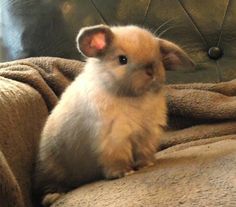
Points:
[(200, 173)]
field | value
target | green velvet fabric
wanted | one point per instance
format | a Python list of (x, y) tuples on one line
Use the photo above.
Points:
[(48, 28)]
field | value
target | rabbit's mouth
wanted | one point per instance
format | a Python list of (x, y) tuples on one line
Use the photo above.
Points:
[(130, 90), (155, 86)]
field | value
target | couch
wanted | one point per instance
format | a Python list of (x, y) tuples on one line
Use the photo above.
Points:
[(196, 164)]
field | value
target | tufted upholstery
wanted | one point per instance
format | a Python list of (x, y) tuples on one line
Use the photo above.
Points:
[(48, 28)]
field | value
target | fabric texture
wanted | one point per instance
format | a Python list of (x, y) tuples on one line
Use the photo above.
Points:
[(195, 166)]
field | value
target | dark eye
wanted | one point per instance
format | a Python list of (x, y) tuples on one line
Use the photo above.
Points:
[(123, 59)]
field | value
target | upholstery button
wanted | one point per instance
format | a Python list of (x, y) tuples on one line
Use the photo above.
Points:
[(215, 53)]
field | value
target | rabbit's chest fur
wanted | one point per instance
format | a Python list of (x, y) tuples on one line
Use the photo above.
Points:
[(132, 115), (120, 117)]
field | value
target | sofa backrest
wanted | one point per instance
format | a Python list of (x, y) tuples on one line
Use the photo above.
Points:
[(205, 29)]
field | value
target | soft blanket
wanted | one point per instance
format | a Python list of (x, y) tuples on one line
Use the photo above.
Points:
[(195, 166)]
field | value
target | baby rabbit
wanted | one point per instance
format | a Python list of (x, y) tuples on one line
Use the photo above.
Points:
[(109, 120)]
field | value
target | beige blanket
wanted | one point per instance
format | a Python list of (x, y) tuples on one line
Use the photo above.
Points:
[(196, 166)]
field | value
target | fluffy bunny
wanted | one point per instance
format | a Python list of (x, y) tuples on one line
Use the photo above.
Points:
[(109, 120)]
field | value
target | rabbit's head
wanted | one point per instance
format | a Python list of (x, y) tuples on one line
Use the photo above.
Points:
[(129, 60)]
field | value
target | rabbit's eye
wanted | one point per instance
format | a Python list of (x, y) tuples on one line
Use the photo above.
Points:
[(123, 59)]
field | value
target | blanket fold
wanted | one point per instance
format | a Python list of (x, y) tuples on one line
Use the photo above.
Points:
[(49, 76), (199, 114), (202, 104)]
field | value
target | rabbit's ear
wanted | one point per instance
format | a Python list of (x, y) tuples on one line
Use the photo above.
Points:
[(174, 57), (94, 41)]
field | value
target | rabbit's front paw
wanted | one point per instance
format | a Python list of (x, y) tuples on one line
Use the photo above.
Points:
[(114, 174), (50, 198)]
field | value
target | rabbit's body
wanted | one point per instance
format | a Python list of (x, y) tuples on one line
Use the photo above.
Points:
[(90, 125), (109, 120)]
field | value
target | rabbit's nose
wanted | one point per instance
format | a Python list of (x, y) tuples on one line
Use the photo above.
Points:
[(149, 71)]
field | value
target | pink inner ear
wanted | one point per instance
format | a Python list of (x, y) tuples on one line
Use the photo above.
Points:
[(98, 41)]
